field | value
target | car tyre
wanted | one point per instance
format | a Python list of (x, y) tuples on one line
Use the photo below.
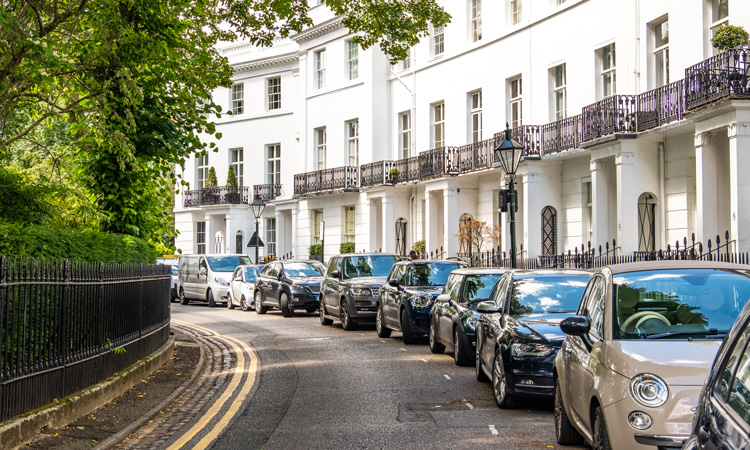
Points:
[(601, 437), (500, 382), (459, 353), (565, 432), (210, 298), (243, 304), (380, 327), (183, 300), (408, 336), (286, 310), (435, 345), (323, 319), (259, 307), (230, 304), (346, 319), (481, 376)]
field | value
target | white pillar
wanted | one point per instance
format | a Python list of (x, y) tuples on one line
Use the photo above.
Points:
[(280, 235), (531, 213), (706, 184), (295, 251), (374, 239), (431, 210), (627, 203), (389, 227), (599, 200), (450, 221), (739, 186)]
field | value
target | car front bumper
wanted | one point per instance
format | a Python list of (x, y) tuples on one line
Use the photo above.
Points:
[(305, 300)]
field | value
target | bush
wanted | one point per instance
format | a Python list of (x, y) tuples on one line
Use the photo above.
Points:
[(346, 247), (316, 249), (47, 242), (728, 37), (419, 246)]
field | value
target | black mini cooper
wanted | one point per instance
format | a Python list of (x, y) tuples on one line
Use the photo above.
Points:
[(407, 296)]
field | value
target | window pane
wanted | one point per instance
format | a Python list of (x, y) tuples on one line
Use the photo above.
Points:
[(719, 10), (661, 34)]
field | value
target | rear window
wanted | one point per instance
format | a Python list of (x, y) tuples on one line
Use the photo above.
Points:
[(227, 263)]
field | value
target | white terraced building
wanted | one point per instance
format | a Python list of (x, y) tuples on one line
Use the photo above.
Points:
[(635, 130)]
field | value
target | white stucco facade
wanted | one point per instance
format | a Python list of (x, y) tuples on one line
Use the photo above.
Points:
[(338, 132)]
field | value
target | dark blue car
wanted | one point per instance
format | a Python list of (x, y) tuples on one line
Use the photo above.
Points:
[(407, 296)]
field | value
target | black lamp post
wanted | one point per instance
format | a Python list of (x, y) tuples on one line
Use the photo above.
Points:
[(257, 206), (509, 152)]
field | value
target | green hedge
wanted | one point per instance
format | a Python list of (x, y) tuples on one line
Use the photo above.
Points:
[(46, 242)]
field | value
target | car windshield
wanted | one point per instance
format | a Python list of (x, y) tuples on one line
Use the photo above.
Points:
[(478, 288), (319, 266), (300, 270), (368, 266), (547, 294), (175, 271), (678, 302), (251, 273), (227, 263), (429, 274)]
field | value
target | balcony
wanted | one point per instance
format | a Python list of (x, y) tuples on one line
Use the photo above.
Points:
[(724, 75), (326, 181), (266, 192), (218, 195)]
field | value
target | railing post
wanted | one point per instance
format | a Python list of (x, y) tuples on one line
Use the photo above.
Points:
[(3, 295)]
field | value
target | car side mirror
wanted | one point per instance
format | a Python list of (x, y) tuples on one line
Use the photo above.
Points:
[(393, 282), (203, 271), (577, 326), (443, 298), (280, 276), (487, 307), (335, 274)]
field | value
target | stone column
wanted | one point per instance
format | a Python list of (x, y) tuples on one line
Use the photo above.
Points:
[(706, 184), (450, 221), (388, 225), (374, 239), (293, 240), (431, 210), (280, 234), (739, 183), (627, 204), (531, 213), (599, 201)]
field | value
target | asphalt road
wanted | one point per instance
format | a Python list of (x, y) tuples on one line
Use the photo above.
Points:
[(323, 387)]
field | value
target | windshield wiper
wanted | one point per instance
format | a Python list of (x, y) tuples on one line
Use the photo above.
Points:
[(710, 332)]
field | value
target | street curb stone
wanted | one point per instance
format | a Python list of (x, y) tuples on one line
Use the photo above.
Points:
[(22, 428)]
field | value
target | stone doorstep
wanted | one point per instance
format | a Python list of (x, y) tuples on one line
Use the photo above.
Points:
[(20, 429)]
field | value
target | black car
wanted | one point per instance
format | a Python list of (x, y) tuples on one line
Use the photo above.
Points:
[(288, 285), (517, 345), (454, 315), (722, 419), (407, 296)]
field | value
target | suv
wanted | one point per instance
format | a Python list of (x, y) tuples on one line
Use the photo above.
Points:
[(288, 285), (351, 288), (407, 295)]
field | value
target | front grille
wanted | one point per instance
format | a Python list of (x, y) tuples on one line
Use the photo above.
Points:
[(315, 288), (375, 292)]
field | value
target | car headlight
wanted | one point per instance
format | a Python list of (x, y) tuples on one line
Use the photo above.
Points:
[(298, 288), (471, 324), (649, 390), (221, 281), (420, 302), (361, 292), (531, 350)]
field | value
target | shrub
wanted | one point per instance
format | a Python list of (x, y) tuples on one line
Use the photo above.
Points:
[(419, 246), (346, 247), (211, 180), (728, 37), (231, 177), (316, 249)]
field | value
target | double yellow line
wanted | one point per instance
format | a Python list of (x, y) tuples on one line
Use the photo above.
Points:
[(239, 348)]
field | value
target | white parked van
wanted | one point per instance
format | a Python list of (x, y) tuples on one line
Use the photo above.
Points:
[(206, 277)]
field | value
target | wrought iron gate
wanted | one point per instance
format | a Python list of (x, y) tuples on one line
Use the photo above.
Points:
[(549, 231), (646, 223), (401, 236)]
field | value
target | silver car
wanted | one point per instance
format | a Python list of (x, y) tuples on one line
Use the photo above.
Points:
[(241, 287)]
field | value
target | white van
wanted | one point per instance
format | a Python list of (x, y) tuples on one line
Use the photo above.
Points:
[(206, 277)]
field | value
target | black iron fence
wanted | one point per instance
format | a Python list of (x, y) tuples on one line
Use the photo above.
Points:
[(266, 192), (65, 326), (217, 195)]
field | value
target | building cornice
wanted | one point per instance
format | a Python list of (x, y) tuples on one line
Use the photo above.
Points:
[(265, 63), (318, 30)]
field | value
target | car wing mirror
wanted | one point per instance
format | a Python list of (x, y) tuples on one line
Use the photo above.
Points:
[(203, 271), (393, 282), (336, 274), (578, 326), (487, 307), (443, 298)]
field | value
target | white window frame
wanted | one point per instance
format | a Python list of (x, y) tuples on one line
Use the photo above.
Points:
[(475, 116), (201, 171), (405, 64), (317, 218), (438, 125), (352, 142), (661, 54), (273, 163), (516, 11), (271, 236), (404, 124), (349, 223), (200, 237), (438, 41), (607, 57), (320, 148), (559, 92), (320, 68), (515, 94), (352, 59), (273, 91), (238, 98), (476, 20), (236, 160), (717, 21)]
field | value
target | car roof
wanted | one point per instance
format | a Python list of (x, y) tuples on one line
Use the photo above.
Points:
[(365, 254), (480, 270), (672, 264), (251, 265), (550, 272), (428, 261)]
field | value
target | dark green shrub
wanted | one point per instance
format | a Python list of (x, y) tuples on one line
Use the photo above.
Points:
[(346, 247), (728, 37), (316, 249)]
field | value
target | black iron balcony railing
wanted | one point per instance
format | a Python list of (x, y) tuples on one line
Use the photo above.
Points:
[(266, 192), (718, 77), (326, 180), (377, 174), (661, 105), (218, 195)]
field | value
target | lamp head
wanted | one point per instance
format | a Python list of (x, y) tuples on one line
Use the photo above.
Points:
[(509, 152), (257, 207)]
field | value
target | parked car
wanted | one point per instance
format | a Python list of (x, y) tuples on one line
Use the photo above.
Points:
[(517, 343), (722, 420), (454, 315), (242, 286), (173, 294), (351, 288), (206, 277), (407, 296), (288, 285), (636, 356)]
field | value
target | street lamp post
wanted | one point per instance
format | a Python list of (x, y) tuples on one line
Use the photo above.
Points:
[(509, 152), (257, 207)]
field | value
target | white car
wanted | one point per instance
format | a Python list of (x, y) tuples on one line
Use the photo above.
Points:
[(241, 287)]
